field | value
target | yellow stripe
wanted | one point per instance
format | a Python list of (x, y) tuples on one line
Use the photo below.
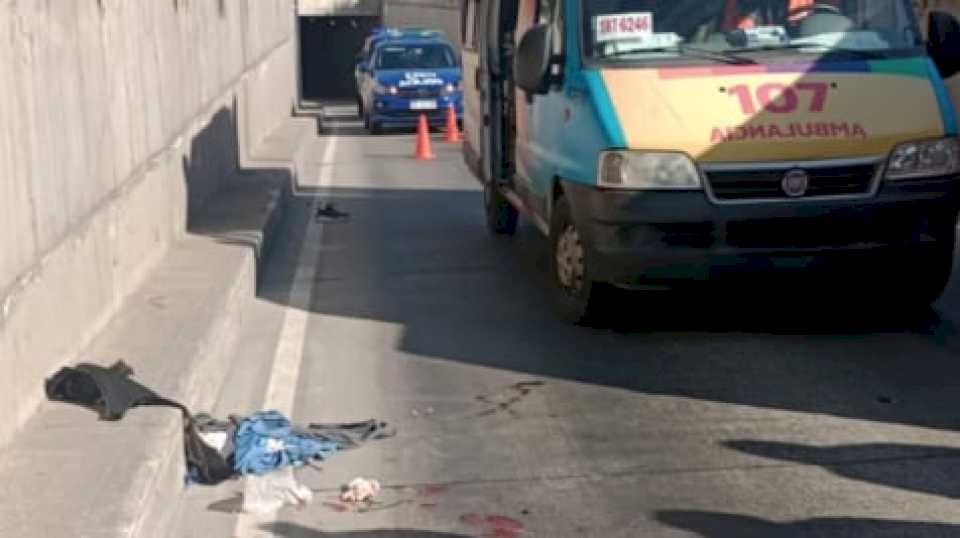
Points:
[(863, 115)]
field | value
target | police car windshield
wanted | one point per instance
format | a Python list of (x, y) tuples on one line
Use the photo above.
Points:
[(426, 56), (660, 30)]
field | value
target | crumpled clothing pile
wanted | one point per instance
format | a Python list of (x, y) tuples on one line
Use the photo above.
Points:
[(215, 450), (267, 441)]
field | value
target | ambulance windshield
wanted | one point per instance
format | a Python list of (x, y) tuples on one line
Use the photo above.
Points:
[(747, 30)]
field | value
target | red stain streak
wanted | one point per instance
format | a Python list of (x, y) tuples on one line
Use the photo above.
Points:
[(504, 522), (494, 526), (433, 490), (336, 507), (474, 520)]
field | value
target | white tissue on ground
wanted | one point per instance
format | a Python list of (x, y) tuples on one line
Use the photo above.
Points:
[(270, 492), (360, 490)]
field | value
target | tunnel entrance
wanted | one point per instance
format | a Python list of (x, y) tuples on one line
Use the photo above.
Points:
[(328, 47)]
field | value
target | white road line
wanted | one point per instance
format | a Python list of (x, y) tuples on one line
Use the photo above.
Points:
[(288, 356)]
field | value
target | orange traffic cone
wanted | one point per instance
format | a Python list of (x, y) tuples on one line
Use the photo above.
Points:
[(424, 152), (453, 132)]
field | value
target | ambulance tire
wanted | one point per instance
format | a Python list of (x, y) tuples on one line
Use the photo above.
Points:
[(576, 295), (897, 283), (918, 281), (501, 216), (371, 126)]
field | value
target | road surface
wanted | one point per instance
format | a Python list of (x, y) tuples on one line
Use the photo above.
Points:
[(720, 415)]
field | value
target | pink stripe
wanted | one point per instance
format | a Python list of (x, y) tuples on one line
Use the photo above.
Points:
[(698, 72), (685, 72)]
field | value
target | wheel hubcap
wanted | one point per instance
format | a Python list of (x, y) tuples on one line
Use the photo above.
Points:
[(569, 254)]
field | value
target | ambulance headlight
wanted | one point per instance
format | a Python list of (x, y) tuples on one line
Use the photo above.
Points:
[(648, 171), (927, 158)]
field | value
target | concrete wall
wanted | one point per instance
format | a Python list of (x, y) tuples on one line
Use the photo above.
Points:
[(342, 8), (119, 118), (440, 14)]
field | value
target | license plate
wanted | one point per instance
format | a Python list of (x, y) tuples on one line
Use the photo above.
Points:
[(428, 104)]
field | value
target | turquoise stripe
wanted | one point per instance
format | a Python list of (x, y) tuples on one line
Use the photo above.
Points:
[(603, 106), (947, 114), (909, 67)]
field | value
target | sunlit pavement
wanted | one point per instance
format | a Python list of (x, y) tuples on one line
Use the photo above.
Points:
[(712, 415)]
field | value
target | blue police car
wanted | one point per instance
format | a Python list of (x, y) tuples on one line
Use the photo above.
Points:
[(379, 35), (405, 74)]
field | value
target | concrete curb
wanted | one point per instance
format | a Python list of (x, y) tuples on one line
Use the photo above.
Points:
[(178, 331), (239, 201), (163, 480)]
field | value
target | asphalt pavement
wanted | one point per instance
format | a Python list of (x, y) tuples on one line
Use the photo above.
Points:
[(728, 413)]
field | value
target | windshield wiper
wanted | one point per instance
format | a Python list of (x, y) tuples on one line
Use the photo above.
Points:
[(824, 49), (729, 57), (720, 55)]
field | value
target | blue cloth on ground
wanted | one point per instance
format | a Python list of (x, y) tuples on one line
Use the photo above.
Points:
[(266, 441)]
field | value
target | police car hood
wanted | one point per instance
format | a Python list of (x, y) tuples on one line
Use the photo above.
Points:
[(418, 78), (778, 112)]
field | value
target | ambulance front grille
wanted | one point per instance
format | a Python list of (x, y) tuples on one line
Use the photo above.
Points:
[(765, 184)]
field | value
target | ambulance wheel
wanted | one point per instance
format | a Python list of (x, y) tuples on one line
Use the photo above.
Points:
[(918, 280), (576, 294), (897, 282), (371, 126), (501, 216)]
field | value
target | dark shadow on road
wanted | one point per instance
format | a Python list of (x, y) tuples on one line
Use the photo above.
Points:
[(355, 129), (720, 525), (925, 469), (351, 126), (292, 530), (422, 259), (342, 129), (232, 505)]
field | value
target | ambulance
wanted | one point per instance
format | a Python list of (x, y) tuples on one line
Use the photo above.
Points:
[(662, 142)]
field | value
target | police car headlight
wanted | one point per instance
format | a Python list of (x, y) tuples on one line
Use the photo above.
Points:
[(385, 90), (927, 158), (452, 87), (648, 171)]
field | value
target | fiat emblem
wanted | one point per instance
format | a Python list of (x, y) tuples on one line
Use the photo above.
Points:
[(795, 183)]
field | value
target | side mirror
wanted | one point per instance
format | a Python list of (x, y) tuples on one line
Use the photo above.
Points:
[(533, 59), (943, 43)]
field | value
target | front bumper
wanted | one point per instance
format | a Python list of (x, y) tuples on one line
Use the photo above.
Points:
[(396, 111), (659, 235)]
